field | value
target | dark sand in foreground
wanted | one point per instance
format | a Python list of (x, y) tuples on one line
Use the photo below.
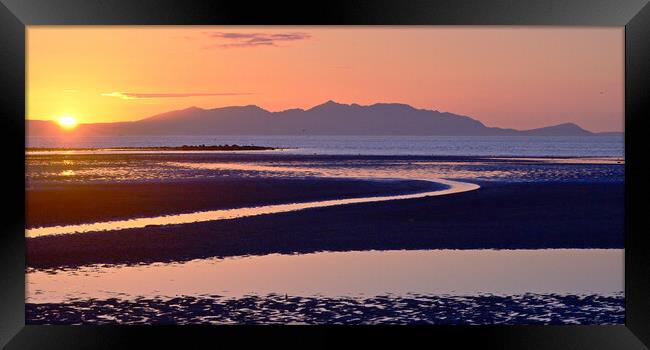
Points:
[(76, 203), (499, 215)]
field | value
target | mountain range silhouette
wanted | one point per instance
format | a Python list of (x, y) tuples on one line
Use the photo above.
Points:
[(329, 118)]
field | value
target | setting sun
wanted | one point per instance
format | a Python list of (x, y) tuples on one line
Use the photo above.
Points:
[(67, 122)]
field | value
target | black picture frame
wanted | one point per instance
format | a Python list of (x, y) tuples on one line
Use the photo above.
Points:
[(15, 15)]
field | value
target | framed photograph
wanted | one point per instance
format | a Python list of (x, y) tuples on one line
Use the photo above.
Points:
[(461, 171)]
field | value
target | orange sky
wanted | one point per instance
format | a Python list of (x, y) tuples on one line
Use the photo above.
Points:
[(520, 77)]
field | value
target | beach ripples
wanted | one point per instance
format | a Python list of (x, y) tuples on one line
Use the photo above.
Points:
[(387, 309), (119, 168)]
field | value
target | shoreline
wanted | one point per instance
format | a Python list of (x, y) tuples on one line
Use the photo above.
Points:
[(499, 216), (522, 204), (445, 187), (186, 148), (75, 203)]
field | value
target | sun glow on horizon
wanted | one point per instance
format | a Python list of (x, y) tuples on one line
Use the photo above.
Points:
[(67, 122), (526, 77)]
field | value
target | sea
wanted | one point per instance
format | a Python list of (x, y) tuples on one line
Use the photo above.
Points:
[(510, 146)]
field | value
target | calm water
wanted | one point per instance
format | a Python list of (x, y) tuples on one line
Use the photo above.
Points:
[(549, 286), (344, 274), (538, 146)]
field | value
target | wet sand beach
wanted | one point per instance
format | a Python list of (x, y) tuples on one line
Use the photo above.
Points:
[(75, 203), (453, 219), (498, 216)]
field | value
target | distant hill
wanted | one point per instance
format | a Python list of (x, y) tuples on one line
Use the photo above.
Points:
[(329, 118), (566, 129)]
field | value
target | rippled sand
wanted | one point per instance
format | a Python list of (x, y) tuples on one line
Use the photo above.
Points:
[(281, 309), (547, 306), (120, 168)]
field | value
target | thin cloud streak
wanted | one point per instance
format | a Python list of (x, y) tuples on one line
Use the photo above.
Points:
[(240, 40), (139, 95)]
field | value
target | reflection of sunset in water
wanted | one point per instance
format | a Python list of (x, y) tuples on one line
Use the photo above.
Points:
[(334, 274)]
